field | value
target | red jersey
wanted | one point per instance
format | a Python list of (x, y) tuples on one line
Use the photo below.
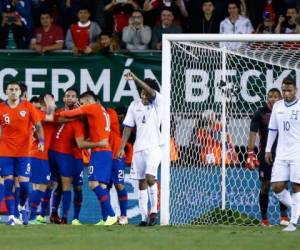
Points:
[(63, 138), (98, 121), (16, 124), (115, 139), (80, 35), (52, 36), (48, 131)]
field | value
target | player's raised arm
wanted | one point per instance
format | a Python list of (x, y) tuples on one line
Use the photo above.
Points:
[(82, 143), (142, 84), (72, 113)]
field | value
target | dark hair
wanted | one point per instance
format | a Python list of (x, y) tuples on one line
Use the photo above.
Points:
[(274, 90), (291, 6), (46, 12), (89, 93), (15, 82), (105, 33), (34, 99), (289, 81), (23, 88), (235, 2), (167, 8), (84, 7), (72, 89), (152, 84), (208, 1)]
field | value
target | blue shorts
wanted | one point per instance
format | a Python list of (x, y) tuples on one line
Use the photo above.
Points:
[(40, 172), (118, 171), (78, 173), (16, 166), (61, 164), (100, 168)]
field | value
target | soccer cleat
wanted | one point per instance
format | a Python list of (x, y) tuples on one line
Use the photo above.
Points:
[(290, 228), (54, 218), (123, 220), (265, 223), (41, 219), (284, 221), (143, 224), (11, 221), (152, 219), (111, 220), (63, 221), (35, 222), (76, 222), (100, 223), (24, 216)]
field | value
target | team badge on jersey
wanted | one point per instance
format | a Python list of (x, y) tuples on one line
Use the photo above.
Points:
[(22, 113)]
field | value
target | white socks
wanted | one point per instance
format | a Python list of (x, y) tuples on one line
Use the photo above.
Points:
[(295, 209), (284, 197), (153, 197), (143, 204)]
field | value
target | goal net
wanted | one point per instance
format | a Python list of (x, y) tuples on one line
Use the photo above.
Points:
[(211, 93)]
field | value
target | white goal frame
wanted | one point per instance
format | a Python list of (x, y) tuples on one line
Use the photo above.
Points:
[(166, 88)]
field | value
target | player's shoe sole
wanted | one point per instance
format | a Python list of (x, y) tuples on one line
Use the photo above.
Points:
[(290, 228), (41, 219), (35, 222), (76, 222), (100, 223), (111, 221)]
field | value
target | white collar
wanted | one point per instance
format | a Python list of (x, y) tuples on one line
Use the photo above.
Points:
[(83, 25)]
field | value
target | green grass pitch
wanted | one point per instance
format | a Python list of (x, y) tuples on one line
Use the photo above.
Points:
[(65, 237)]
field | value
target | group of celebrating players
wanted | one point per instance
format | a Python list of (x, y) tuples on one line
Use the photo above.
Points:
[(49, 147)]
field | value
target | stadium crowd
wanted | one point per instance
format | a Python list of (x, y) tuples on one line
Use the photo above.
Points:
[(90, 26)]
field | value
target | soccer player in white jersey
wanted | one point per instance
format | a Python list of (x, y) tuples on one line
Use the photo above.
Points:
[(145, 114), (285, 121)]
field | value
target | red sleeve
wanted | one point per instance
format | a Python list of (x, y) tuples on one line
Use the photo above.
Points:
[(73, 112), (34, 114)]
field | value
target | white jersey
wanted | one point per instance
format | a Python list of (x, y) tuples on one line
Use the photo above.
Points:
[(147, 120), (285, 118)]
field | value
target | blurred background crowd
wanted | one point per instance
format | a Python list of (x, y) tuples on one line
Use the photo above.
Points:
[(91, 26)]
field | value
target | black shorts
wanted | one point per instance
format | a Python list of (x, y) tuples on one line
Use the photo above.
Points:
[(264, 169)]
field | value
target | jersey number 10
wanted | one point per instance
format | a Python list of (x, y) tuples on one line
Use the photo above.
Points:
[(286, 126)]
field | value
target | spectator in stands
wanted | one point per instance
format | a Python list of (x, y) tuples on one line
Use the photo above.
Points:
[(105, 43), (83, 33), (15, 29), (68, 10), (235, 24), (48, 37), (121, 11), (136, 35), (167, 26), (268, 24), (207, 22), (39, 6), (288, 24)]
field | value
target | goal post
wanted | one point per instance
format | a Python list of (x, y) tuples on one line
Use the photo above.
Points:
[(210, 92)]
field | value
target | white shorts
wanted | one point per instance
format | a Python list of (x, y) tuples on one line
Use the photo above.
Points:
[(145, 162), (284, 170)]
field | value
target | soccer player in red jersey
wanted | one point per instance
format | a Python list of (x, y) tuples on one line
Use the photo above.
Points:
[(101, 157), (118, 165), (40, 172), (17, 118)]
